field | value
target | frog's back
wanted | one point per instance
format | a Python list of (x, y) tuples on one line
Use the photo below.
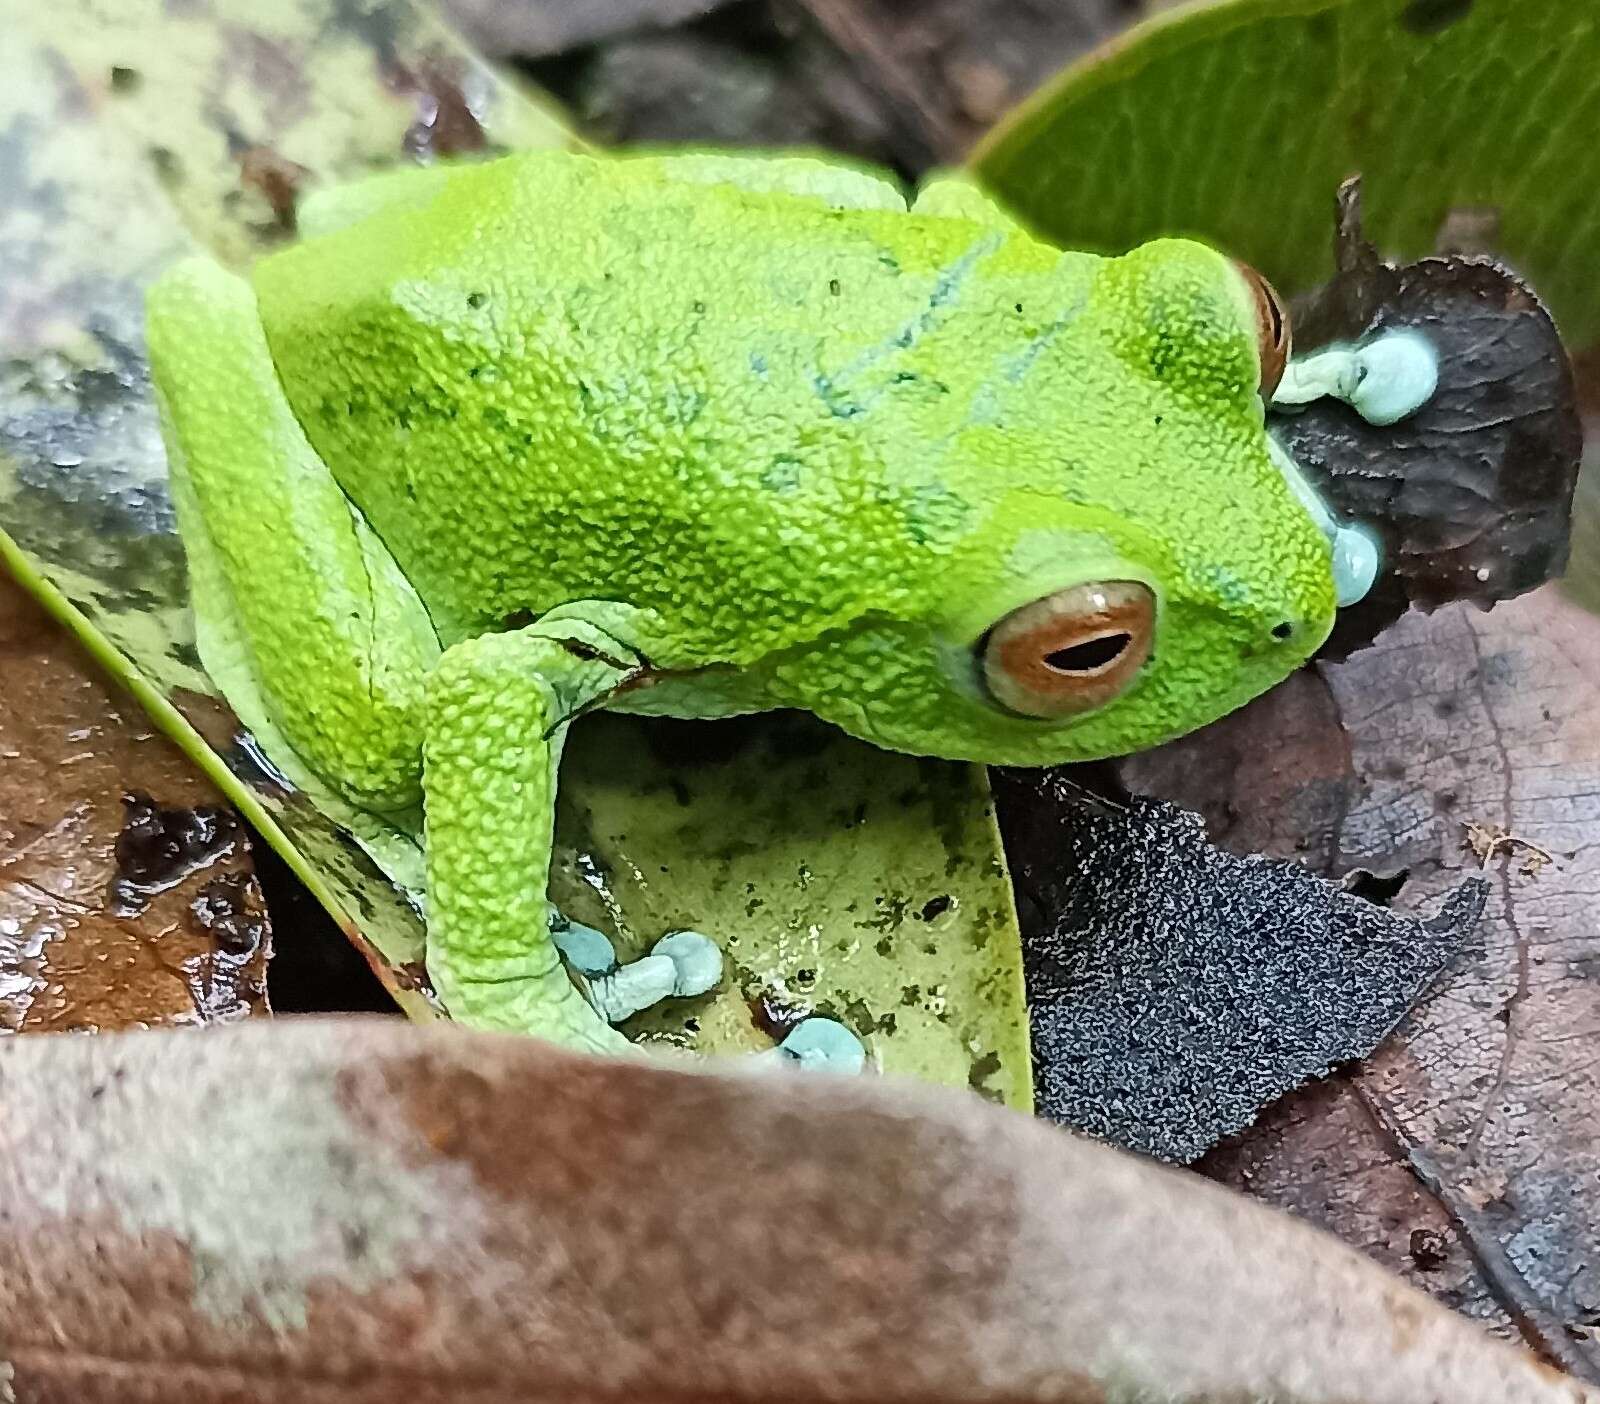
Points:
[(551, 378)]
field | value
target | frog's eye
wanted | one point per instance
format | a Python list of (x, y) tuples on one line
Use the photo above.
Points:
[(1072, 651), (1272, 328)]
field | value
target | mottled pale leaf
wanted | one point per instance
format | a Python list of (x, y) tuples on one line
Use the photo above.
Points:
[(863, 886), (852, 881)]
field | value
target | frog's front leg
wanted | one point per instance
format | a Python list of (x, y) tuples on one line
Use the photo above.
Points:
[(497, 711), (1383, 379), (681, 963)]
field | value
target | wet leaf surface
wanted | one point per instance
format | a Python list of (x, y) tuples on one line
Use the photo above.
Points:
[(137, 134), (1475, 1124), (1471, 495), (382, 1218), (126, 891), (1175, 989)]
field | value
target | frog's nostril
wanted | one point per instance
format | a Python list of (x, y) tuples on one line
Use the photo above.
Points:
[(1283, 630)]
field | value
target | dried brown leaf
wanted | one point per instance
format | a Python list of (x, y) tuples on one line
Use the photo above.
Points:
[(431, 1215), (1471, 495)]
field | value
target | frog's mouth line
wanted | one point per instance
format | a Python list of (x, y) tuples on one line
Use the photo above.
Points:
[(1356, 554)]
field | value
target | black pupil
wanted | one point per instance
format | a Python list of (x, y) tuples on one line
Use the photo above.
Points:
[(1090, 655)]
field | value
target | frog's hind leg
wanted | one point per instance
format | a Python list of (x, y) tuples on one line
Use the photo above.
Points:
[(304, 618), (297, 601), (302, 610), (497, 712)]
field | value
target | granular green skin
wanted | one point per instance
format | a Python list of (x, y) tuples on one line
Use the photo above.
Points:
[(787, 429), (744, 430)]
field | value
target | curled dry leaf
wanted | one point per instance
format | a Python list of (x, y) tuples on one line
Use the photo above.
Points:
[(382, 1218), (1471, 495), (126, 890), (1476, 1121)]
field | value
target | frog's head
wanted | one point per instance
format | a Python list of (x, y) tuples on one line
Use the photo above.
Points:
[(1140, 559)]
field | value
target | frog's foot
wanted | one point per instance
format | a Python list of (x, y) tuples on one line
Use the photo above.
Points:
[(681, 964), (1383, 379), (1356, 555), (817, 1045), (524, 994)]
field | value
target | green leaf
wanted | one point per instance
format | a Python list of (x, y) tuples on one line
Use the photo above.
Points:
[(841, 878), (1235, 121)]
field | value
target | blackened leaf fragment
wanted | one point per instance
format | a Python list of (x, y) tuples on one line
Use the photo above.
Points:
[(1176, 989), (1472, 494)]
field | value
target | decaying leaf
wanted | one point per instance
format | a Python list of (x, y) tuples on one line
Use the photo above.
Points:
[(383, 1218), (1476, 1121), (1471, 495), (93, 107), (126, 891), (1175, 989)]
